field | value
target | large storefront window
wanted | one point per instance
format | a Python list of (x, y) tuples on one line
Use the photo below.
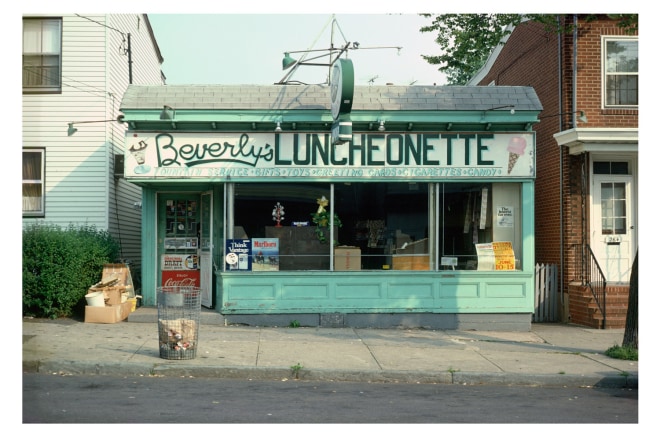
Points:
[(378, 226), (373, 223), (387, 222)]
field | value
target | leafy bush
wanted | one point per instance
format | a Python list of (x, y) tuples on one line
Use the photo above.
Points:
[(59, 266)]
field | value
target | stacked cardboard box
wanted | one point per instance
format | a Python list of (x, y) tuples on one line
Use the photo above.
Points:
[(117, 288), (107, 314)]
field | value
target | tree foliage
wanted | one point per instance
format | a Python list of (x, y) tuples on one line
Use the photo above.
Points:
[(466, 40)]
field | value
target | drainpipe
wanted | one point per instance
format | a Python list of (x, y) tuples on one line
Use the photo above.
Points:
[(561, 149), (561, 168), (575, 36), (130, 61), (574, 109)]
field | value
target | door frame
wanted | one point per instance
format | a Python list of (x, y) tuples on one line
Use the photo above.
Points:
[(598, 241), (206, 250)]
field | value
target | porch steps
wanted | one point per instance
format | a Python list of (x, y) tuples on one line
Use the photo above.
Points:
[(584, 310)]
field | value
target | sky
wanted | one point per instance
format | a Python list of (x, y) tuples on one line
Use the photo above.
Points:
[(243, 42), (248, 48)]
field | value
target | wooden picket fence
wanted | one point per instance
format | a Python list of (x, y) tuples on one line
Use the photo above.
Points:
[(546, 294)]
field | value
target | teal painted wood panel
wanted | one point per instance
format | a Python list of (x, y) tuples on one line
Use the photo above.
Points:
[(302, 291), (254, 291), (375, 292), (505, 290), (357, 291), (411, 289), (459, 290)]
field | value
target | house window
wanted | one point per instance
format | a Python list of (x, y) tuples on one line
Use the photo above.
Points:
[(42, 55), (621, 72), (33, 183), (601, 167)]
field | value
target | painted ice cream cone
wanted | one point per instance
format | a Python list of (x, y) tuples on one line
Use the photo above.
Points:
[(513, 158), (516, 149)]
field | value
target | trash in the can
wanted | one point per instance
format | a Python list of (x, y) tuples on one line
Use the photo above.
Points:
[(180, 334)]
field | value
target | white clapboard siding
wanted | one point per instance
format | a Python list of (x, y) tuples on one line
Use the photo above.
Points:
[(80, 182)]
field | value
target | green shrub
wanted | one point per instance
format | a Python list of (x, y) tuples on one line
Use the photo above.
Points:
[(622, 352), (59, 266)]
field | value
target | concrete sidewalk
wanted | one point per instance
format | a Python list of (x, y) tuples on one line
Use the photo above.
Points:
[(549, 355)]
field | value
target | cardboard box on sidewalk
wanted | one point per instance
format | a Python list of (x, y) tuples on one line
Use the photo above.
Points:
[(115, 295), (112, 295), (120, 271), (115, 275), (116, 284), (107, 314)]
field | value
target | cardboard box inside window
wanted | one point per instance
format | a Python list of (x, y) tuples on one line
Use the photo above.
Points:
[(414, 248), (107, 314), (410, 262), (348, 258)]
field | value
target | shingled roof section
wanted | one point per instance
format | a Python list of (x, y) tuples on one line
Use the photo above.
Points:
[(317, 97)]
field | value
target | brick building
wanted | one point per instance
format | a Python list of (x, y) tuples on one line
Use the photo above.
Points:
[(586, 194)]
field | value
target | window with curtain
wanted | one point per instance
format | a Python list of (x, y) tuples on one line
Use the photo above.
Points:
[(42, 55), (33, 183), (621, 72)]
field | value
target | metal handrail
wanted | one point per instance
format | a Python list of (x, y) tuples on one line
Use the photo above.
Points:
[(595, 279)]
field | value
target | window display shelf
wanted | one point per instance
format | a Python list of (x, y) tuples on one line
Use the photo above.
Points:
[(181, 243)]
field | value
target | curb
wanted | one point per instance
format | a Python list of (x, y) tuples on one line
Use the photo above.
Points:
[(548, 380), (281, 374)]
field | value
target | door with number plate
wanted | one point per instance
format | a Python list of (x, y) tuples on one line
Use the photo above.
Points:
[(613, 229)]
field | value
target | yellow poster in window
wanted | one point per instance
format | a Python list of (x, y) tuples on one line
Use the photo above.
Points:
[(497, 255), (504, 256)]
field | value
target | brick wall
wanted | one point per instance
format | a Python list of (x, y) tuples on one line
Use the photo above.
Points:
[(589, 76), (541, 59), (531, 58)]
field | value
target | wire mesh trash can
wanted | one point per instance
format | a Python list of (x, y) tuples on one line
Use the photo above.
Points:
[(178, 321)]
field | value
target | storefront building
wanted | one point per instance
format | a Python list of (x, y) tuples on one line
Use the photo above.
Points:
[(375, 206)]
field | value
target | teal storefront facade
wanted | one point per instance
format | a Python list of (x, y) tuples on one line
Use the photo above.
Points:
[(414, 207)]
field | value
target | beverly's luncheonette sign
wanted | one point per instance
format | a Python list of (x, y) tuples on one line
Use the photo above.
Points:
[(312, 155)]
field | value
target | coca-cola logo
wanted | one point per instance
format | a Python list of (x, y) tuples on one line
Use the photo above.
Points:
[(184, 282)]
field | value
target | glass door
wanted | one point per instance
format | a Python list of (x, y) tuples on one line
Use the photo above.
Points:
[(178, 239)]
